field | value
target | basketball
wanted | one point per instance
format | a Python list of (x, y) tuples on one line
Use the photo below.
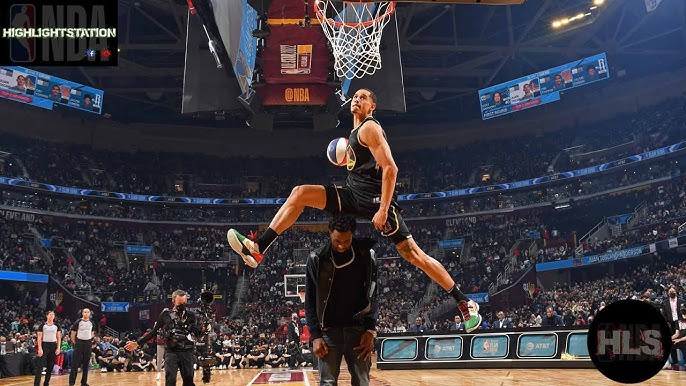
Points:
[(337, 151)]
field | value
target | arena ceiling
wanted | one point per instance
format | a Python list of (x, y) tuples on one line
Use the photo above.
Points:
[(448, 51)]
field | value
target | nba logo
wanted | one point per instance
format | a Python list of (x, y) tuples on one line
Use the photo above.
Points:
[(23, 50)]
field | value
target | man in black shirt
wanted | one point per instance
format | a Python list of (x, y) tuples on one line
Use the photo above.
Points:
[(679, 337), (82, 336), (177, 325), (48, 336), (293, 342), (341, 303)]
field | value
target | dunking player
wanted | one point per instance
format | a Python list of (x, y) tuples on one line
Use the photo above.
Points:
[(369, 193)]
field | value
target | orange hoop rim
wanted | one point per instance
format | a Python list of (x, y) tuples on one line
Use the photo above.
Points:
[(389, 11)]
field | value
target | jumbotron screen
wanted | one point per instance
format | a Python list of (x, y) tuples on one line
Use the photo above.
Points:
[(28, 86), (542, 87)]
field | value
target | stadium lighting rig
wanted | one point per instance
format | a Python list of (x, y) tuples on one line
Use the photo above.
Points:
[(562, 22)]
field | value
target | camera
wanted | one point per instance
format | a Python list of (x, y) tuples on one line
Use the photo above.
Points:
[(206, 315), (206, 298)]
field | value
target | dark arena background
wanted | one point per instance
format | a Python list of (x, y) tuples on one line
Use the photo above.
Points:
[(539, 144)]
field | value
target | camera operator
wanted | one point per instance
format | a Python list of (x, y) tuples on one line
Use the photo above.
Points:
[(177, 325)]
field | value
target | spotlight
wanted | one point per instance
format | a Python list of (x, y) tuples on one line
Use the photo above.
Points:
[(598, 2), (557, 24)]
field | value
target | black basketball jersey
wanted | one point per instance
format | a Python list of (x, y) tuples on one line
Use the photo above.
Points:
[(364, 174)]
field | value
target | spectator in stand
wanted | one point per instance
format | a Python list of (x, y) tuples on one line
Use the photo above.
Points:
[(419, 327), (551, 319), (670, 310), (457, 326), (502, 323)]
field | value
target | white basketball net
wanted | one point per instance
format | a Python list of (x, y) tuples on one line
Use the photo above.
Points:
[(354, 31)]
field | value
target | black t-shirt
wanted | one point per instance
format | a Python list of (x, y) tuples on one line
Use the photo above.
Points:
[(347, 292)]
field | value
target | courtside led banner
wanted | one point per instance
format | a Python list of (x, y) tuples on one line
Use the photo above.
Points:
[(59, 33)]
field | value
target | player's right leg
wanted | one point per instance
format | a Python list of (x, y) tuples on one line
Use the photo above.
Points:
[(252, 251)]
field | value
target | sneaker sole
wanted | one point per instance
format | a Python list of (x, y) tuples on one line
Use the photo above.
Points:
[(237, 247), (479, 319)]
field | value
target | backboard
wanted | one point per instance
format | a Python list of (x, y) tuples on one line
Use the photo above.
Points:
[(292, 284)]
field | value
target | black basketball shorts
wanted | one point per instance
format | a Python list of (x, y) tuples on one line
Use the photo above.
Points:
[(363, 205)]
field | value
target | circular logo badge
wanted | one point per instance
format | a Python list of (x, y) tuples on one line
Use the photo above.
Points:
[(629, 341)]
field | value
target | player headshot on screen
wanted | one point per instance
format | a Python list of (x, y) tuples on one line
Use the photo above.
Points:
[(87, 102), (591, 73), (64, 93), (497, 99), (527, 91), (559, 82), (21, 84), (535, 88), (29, 83), (55, 94)]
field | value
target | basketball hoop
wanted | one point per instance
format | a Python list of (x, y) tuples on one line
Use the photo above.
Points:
[(354, 30), (301, 295)]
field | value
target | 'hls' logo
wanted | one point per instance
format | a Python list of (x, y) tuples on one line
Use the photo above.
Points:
[(630, 341)]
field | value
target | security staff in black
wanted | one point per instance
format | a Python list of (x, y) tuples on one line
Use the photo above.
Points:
[(341, 303), (178, 326), (82, 337), (49, 336)]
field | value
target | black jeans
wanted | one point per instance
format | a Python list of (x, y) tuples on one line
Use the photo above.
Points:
[(81, 357), (175, 361), (341, 342), (48, 360), (673, 327)]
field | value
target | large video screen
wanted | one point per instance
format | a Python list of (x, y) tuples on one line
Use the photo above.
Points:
[(542, 87), (38, 89)]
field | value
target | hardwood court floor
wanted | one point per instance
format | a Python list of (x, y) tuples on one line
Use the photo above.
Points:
[(470, 377)]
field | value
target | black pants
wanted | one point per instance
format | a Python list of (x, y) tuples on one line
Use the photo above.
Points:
[(679, 346), (81, 357), (175, 361), (296, 356), (673, 327), (48, 360)]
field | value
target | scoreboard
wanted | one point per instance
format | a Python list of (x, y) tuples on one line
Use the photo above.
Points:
[(24, 85), (542, 87)]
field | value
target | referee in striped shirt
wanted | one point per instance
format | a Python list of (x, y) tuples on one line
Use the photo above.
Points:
[(82, 336), (49, 337)]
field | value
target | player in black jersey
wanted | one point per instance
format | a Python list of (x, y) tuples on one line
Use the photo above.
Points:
[(369, 193)]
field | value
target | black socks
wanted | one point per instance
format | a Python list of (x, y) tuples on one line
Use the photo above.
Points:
[(266, 240), (458, 295)]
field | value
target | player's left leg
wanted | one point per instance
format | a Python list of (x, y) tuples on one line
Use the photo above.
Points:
[(397, 231)]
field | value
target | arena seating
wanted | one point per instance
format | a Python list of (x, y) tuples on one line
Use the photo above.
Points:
[(86, 251)]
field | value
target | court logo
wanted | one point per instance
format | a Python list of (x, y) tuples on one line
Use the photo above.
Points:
[(629, 341)]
